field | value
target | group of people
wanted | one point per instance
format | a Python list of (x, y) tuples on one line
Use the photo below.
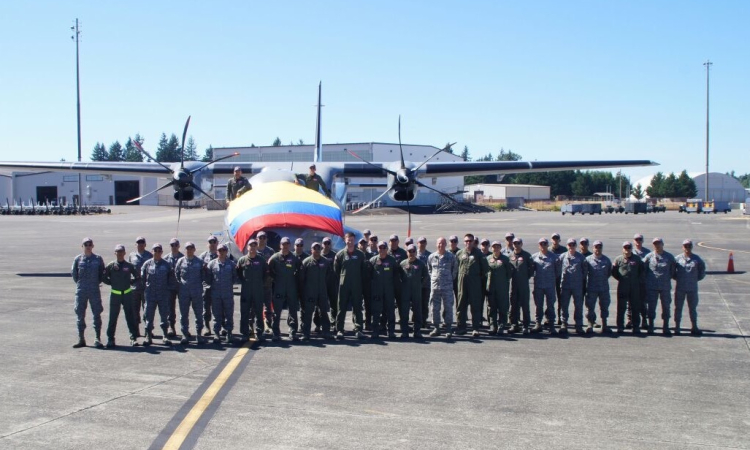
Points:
[(380, 281)]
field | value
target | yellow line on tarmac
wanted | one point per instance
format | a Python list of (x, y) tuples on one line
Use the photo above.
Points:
[(703, 245), (187, 424)]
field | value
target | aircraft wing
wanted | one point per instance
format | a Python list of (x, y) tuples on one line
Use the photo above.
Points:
[(139, 169), (457, 168)]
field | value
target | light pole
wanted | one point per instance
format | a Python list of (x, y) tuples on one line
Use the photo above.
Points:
[(708, 65), (78, 109)]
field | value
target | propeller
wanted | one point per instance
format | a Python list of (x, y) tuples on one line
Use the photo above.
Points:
[(182, 179)]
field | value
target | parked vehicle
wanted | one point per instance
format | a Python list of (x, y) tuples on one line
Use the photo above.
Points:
[(635, 208)]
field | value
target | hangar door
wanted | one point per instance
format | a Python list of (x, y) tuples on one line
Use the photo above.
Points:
[(46, 194), (125, 190)]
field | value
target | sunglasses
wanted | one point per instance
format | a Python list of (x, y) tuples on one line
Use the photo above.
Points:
[(285, 243), (88, 244), (454, 240), (261, 237), (298, 245), (597, 246), (383, 246), (213, 242), (374, 239), (326, 243), (222, 250), (190, 248), (140, 242), (157, 250), (412, 251), (174, 245), (254, 244), (627, 247)]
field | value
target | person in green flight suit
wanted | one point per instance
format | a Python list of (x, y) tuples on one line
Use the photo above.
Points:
[(498, 288), (472, 270)]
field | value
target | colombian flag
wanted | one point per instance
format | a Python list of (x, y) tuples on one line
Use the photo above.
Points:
[(281, 204)]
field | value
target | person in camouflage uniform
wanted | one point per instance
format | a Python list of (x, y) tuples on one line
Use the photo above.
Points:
[(523, 270), (121, 275), (266, 252), (640, 251), (350, 267), (189, 276), (158, 278), (423, 254), (88, 273), (443, 269), (209, 255)]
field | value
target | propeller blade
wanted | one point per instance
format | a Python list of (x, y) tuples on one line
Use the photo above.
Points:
[(182, 150), (433, 155), (140, 149), (408, 212), (211, 162), (179, 208), (371, 164), (152, 192), (197, 188), (368, 205), (401, 150)]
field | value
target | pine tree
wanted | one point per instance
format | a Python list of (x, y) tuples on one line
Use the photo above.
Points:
[(638, 191), (277, 142), (465, 154), (115, 152), (656, 188), (686, 186), (190, 150), (162, 151), (208, 155), (173, 149), (131, 153), (99, 153)]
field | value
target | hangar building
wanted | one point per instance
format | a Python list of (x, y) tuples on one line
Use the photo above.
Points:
[(490, 192), (721, 187)]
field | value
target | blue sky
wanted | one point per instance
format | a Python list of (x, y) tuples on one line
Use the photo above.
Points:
[(550, 80)]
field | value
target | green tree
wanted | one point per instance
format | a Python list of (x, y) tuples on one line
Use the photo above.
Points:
[(448, 148), (162, 151), (276, 142), (656, 188), (191, 153), (638, 191), (208, 155), (174, 149), (669, 187), (508, 156), (115, 152), (131, 153), (686, 186), (465, 154), (477, 179), (99, 153)]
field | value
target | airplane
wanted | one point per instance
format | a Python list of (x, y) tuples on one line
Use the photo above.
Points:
[(281, 205)]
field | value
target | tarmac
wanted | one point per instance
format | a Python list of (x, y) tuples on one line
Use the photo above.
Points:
[(600, 391)]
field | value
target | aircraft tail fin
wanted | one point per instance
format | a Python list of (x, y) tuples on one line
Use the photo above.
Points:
[(318, 150)]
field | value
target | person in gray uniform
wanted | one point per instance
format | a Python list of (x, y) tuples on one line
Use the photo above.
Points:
[(523, 270), (584, 247), (572, 284), (660, 269), (558, 249), (383, 272), (120, 275), (158, 278), (443, 269), (137, 258), (314, 275), (498, 289), (689, 270), (546, 271), (283, 267), (509, 236), (188, 272), (640, 251), (598, 270), (413, 276), (88, 273), (209, 255), (252, 270), (350, 267), (171, 258), (221, 275), (423, 254)]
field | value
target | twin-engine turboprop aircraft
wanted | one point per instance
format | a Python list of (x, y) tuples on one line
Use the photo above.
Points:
[(281, 205)]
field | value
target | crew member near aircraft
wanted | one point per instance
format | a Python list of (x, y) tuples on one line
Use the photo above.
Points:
[(252, 270), (88, 273), (384, 273), (628, 270), (313, 181), (120, 275), (498, 288), (472, 273), (159, 280), (283, 267), (547, 270), (137, 258), (523, 270), (689, 271), (660, 269), (221, 275), (573, 283), (350, 266), (413, 275), (189, 274), (314, 275), (598, 271), (423, 254), (237, 185), (443, 270), (172, 257)]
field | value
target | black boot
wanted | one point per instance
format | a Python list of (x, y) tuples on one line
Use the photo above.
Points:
[(98, 340), (81, 341)]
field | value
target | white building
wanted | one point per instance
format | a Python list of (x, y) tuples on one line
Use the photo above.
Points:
[(490, 192), (299, 157), (721, 187)]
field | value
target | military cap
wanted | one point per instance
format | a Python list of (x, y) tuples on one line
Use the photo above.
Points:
[(627, 244), (485, 241), (119, 248), (155, 246), (571, 241), (583, 240), (638, 236), (86, 240), (299, 241), (237, 168), (312, 166), (422, 239), (453, 238), (517, 239), (598, 243), (261, 234), (409, 241), (363, 241), (555, 236), (382, 244), (509, 235), (394, 237), (189, 244), (326, 240), (367, 232), (174, 241), (286, 240), (541, 241), (687, 242), (222, 247), (315, 245), (657, 239), (139, 239), (494, 243), (252, 241), (411, 248), (212, 238)]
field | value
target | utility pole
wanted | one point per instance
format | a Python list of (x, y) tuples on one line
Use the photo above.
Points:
[(708, 65), (75, 37)]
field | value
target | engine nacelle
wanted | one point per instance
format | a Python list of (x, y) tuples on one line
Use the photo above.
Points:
[(187, 195)]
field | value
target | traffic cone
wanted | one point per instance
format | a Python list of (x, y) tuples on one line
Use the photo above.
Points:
[(730, 265)]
